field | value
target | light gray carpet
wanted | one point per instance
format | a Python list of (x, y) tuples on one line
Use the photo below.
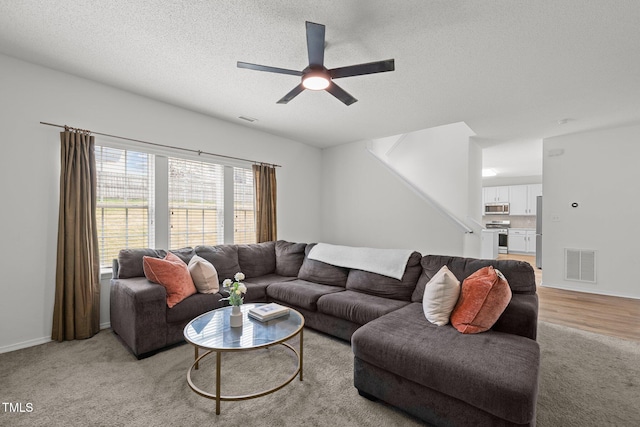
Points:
[(586, 380)]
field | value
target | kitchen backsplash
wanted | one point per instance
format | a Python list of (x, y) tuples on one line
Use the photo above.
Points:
[(517, 221)]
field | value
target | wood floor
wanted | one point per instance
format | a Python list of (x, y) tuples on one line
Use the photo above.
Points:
[(614, 316)]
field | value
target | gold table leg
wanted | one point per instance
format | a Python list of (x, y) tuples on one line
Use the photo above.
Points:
[(218, 360), (301, 354)]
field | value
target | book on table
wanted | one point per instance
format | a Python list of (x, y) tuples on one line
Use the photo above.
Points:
[(268, 312)]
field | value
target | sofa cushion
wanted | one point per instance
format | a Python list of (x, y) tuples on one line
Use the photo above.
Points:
[(172, 273), (384, 286), (300, 293), (520, 317), (257, 286), (440, 297), (357, 307), (130, 261), (257, 259), (204, 275), (184, 254), (494, 371), (289, 257), (192, 307), (223, 257), (519, 274), (483, 297), (320, 272)]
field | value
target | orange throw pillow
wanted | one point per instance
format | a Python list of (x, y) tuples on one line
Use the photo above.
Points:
[(172, 273), (483, 297)]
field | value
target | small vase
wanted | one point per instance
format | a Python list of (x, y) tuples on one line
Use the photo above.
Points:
[(236, 317)]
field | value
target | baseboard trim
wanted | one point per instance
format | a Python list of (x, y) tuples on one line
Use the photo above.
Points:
[(38, 341), (588, 291), (24, 344), (105, 325)]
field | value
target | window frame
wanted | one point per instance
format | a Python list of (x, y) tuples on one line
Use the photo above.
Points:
[(159, 231), (147, 207), (175, 205)]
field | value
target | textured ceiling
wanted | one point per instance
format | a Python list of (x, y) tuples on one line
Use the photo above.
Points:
[(509, 69)]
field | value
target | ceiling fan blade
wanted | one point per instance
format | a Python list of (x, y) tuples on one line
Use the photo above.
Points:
[(315, 44), (361, 69), (341, 94), (268, 69), (292, 94)]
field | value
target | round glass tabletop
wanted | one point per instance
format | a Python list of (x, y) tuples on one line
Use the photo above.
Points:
[(212, 330)]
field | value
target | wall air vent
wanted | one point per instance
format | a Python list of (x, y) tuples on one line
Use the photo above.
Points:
[(248, 119), (580, 265)]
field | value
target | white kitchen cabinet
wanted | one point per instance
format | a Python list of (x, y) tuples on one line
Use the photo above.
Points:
[(517, 241), (531, 241), (487, 196), (518, 200), (533, 191), (496, 194), (522, 199), (522, 241)]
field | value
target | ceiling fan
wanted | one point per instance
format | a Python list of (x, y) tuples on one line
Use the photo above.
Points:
[(316, 76)]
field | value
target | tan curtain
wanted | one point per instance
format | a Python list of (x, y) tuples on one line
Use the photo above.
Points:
[(264, 178), (76, 312)]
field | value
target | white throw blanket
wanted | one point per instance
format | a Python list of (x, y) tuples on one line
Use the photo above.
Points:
[(387, 262)]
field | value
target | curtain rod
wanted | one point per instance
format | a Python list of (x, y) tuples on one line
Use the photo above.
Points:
[(199, 152)]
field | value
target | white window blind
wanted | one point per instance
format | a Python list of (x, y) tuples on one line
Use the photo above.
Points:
[(196, 203), (124, 205), (244, 225)]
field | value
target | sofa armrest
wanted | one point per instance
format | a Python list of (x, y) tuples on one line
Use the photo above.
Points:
[(520, 317), (138, 311)]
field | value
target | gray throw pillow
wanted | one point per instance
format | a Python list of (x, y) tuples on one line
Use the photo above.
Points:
[(289, 258), (130, 261), (320, 272), (223, 257), (257, 259)]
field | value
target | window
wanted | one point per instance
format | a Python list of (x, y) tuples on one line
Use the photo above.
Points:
[(189, 202), (244, 225), (196, 203), (124, 205)]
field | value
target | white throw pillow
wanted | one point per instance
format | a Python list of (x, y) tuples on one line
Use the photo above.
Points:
[(440, 296), (204, 275)]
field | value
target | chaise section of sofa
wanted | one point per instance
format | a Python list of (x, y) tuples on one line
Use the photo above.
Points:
[(448, 378)]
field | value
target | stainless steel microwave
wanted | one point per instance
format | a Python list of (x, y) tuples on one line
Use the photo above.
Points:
[(496, 209)]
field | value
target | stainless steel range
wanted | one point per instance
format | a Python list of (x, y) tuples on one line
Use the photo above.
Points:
[(502, 228)]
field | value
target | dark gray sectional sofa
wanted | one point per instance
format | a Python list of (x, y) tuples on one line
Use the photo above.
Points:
[(432, 372)]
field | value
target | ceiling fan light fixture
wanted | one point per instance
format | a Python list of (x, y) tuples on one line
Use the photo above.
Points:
[(316, 76), (315, 80)]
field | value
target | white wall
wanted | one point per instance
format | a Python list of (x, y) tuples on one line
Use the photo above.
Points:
[(444, 164), (437, 161), (363, 204), (30, 167), (599, 171)]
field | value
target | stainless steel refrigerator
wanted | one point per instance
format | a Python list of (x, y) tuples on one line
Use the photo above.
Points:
[(539, 232)]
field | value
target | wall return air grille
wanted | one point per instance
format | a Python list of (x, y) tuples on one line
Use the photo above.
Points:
[(580, 265)]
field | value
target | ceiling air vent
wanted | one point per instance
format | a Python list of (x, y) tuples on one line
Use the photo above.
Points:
[(580, 265)]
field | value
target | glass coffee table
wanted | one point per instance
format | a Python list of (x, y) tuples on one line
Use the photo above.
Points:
[(211, 332)]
